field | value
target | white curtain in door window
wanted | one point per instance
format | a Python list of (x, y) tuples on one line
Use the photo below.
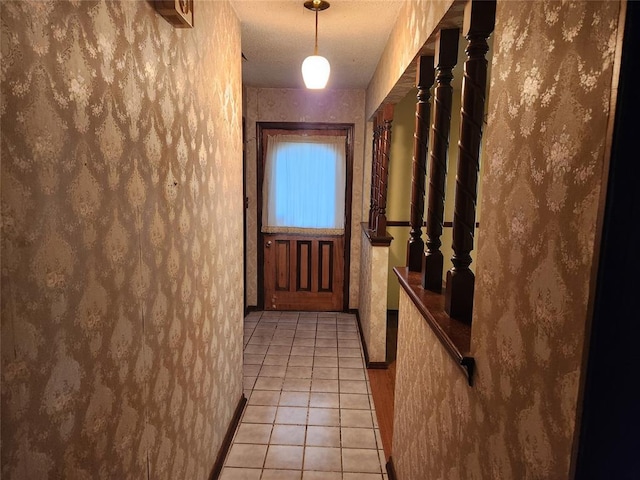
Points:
[(304, 184)]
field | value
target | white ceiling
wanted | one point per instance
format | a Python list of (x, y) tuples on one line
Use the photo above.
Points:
[(278, 35)]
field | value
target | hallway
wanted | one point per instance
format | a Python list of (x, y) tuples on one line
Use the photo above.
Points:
[(310, 413)]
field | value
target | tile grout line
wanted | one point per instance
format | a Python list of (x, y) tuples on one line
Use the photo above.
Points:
[(259, 327)]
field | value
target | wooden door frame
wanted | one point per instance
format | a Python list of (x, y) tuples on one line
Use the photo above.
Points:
[(245, 203), (348, 129)]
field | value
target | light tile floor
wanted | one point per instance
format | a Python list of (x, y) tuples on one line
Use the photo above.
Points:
[(310, 413)]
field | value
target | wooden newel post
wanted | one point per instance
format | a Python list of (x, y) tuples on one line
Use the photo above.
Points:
[(446, 57), (424, 81), (385, 149), (479, 20)]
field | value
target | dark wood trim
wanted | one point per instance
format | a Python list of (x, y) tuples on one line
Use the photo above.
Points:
[(385, 160), (479, 21), (260, 238), (299, 280), (245, 201), (250, 308), (348, 130), (398, 223), (375, 174), (375, 240), (424, 81), (377, 161), (374, 365), (454, 335), (228, 438), (377, 365), (446, 57), (331, 254), (392, 336), (402, 223), (347, 207), (391, 471)]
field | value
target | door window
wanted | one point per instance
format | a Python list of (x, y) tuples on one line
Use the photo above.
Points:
[(304, 184)]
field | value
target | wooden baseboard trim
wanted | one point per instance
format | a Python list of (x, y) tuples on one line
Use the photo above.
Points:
[(376, 365), (391, 471), (249, 309), (228, 438)]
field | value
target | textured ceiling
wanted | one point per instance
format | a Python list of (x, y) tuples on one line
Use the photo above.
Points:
[(278, 35)]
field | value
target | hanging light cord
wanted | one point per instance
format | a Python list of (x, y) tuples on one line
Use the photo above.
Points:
[(315, 50)]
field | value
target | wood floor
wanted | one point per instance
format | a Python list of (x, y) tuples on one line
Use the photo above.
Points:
[(382, 386)]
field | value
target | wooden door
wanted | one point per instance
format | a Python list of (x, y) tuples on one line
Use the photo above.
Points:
[(303, 272), (307, 272)]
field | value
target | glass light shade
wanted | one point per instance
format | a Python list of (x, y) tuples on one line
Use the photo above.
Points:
[(315, 71)]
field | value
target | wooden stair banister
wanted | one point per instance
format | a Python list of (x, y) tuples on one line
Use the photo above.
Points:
[(385, 148), (374, 175), (479, 21), (446, 57), (424, 81)]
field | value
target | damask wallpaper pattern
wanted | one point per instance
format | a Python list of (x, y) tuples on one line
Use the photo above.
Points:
[(293, 105), (549, 108), (372, 307), (416, 21), (121, 261)]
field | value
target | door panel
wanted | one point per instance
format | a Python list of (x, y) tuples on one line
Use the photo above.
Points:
[(303, 272), (326, 252)]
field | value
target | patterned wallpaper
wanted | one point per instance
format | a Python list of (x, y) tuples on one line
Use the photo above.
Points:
[(372, 306), (432, 434), (416, 22), (121, 265), (292, 105), (545, 157)]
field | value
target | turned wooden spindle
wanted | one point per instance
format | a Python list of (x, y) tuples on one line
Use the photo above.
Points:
[(374, 175), (378, 160), (385, 149), (446, 57), (479, 20), (424, 81)]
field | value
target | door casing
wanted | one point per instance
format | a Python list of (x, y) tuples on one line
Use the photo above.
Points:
[(296, 127)]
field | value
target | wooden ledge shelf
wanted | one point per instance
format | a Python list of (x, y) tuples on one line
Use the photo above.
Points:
[(453, 334), (375, 240)]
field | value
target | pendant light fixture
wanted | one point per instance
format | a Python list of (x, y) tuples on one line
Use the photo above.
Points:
[(316, 68)]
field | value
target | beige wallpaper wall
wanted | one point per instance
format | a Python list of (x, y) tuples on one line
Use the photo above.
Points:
[(393, 80), (292, 105), (372, 307), (416, 21), (548, 114), (121, 242)]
